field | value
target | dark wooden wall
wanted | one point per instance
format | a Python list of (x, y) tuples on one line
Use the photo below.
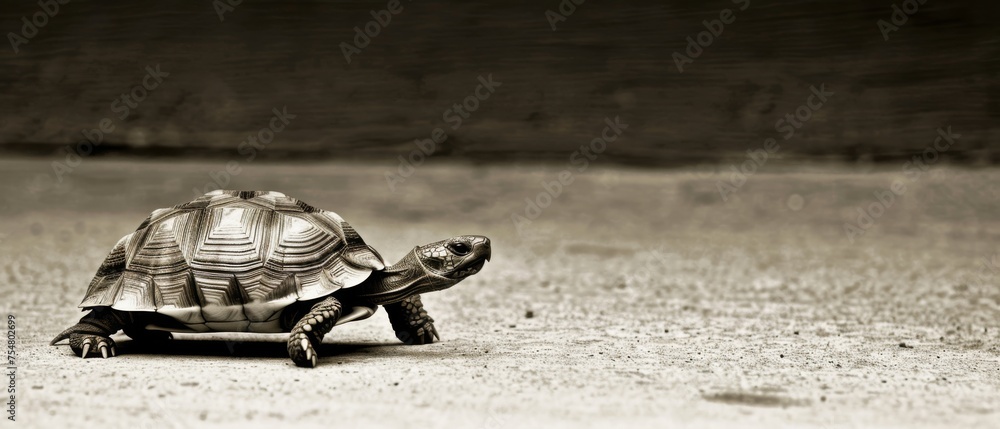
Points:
[(608, 58)]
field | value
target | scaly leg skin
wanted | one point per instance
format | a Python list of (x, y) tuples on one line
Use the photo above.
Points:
[(309, 331), (410, 322), (92, 335)]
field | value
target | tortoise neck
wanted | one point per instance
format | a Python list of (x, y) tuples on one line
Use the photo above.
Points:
[(401, 280)]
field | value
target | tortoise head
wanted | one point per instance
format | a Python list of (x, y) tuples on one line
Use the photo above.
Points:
[(431, 267), (455, 258)]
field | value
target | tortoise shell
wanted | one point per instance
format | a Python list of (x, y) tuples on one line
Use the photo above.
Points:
[(232, 261)]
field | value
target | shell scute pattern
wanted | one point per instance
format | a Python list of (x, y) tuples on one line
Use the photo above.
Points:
[(231, 260)]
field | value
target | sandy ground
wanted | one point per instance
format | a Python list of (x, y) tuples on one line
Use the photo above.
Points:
[(636, 299)]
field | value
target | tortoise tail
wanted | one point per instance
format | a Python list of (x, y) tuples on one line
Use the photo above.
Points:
[(99, 321)]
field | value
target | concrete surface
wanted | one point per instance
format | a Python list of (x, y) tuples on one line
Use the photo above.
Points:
[(652, 303)]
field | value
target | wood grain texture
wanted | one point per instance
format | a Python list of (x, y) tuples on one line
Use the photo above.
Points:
[(606, 59)]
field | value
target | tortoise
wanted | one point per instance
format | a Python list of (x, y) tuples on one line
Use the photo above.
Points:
[(261, 261)]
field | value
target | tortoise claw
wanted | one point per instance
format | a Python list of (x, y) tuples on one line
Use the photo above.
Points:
[(424, 334), (434, 332), (84, 344)]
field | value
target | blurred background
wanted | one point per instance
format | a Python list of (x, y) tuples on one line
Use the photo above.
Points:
[(692, 204), (229, 68)]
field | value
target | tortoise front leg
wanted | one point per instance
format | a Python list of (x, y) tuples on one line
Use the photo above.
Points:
[(308, 332), (410, 321)]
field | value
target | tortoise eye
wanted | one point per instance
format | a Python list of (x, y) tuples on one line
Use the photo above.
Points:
[(458, 248)]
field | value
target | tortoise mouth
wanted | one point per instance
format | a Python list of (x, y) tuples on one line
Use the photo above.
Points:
[(473, 268)]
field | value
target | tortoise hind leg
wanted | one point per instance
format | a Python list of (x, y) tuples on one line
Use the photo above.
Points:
[(92, 334), (310, 329), (138, 330), (410, 321), (141, 334)]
